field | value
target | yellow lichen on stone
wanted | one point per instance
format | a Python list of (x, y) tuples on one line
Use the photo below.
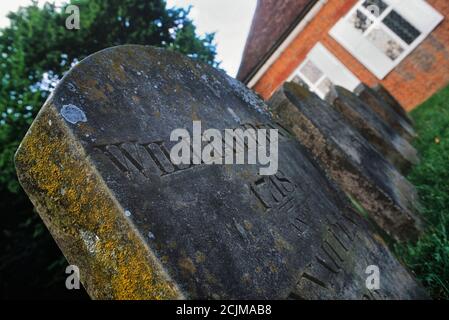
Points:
[(84, 218)]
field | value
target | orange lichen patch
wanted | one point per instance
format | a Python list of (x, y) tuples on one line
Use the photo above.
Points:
[(157, 114), (136, 99), (186, 265), (200, 257), (119, 71), (379, 239), (281, 244), (273, 267), (195, 116), (92, 87), (109, 88), (84, 218), (248, 225)]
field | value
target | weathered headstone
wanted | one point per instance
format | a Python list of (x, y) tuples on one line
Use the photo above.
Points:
[(360, 170), (385, 95), (95, 164), (395, 148), (386, 112)]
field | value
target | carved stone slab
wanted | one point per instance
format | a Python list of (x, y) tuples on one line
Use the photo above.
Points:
[(95, 164), (356, 166), (386, 112), (386, 140), (385, 95)]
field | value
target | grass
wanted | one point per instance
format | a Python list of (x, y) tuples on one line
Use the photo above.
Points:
[(429, 257)]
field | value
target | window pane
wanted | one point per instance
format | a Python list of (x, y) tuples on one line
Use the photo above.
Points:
[(385, 43), (376, 7), (401, 27), (311, 72), (360, 21), (324, 87)]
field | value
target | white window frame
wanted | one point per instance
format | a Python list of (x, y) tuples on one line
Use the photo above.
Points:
[(330, 66), (418, 13)]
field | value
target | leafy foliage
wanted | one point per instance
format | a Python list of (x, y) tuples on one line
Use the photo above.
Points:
[(36, 50), (429, 257)]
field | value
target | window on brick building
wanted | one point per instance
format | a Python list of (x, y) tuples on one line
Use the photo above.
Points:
[(321, 69), (381, 33)]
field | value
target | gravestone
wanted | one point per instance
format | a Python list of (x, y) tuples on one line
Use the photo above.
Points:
[(395, 148), (385, 95), (95, 164), (386, 112), (360, 170)]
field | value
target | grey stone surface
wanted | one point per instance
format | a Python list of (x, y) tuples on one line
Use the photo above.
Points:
[(385, 95), (140, 227), (355, 165), (386, 140), (386, 112)]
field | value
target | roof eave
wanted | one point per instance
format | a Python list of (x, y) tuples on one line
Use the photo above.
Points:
[(279, 42)]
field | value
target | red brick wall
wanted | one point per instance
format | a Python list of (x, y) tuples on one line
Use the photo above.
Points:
[(421, 74)]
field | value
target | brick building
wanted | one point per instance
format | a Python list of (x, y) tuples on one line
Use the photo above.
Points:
[(402, 44)]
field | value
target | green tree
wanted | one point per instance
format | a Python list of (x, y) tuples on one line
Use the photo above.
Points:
[(36, 50)]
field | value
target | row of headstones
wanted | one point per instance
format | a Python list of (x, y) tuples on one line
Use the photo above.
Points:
[(96, 165), (363, 143)]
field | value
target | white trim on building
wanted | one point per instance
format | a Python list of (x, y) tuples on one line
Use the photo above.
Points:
[(300, 27), (382, 33), (321, 69)]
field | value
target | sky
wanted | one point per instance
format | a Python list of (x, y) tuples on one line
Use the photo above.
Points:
[(230, 19)]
